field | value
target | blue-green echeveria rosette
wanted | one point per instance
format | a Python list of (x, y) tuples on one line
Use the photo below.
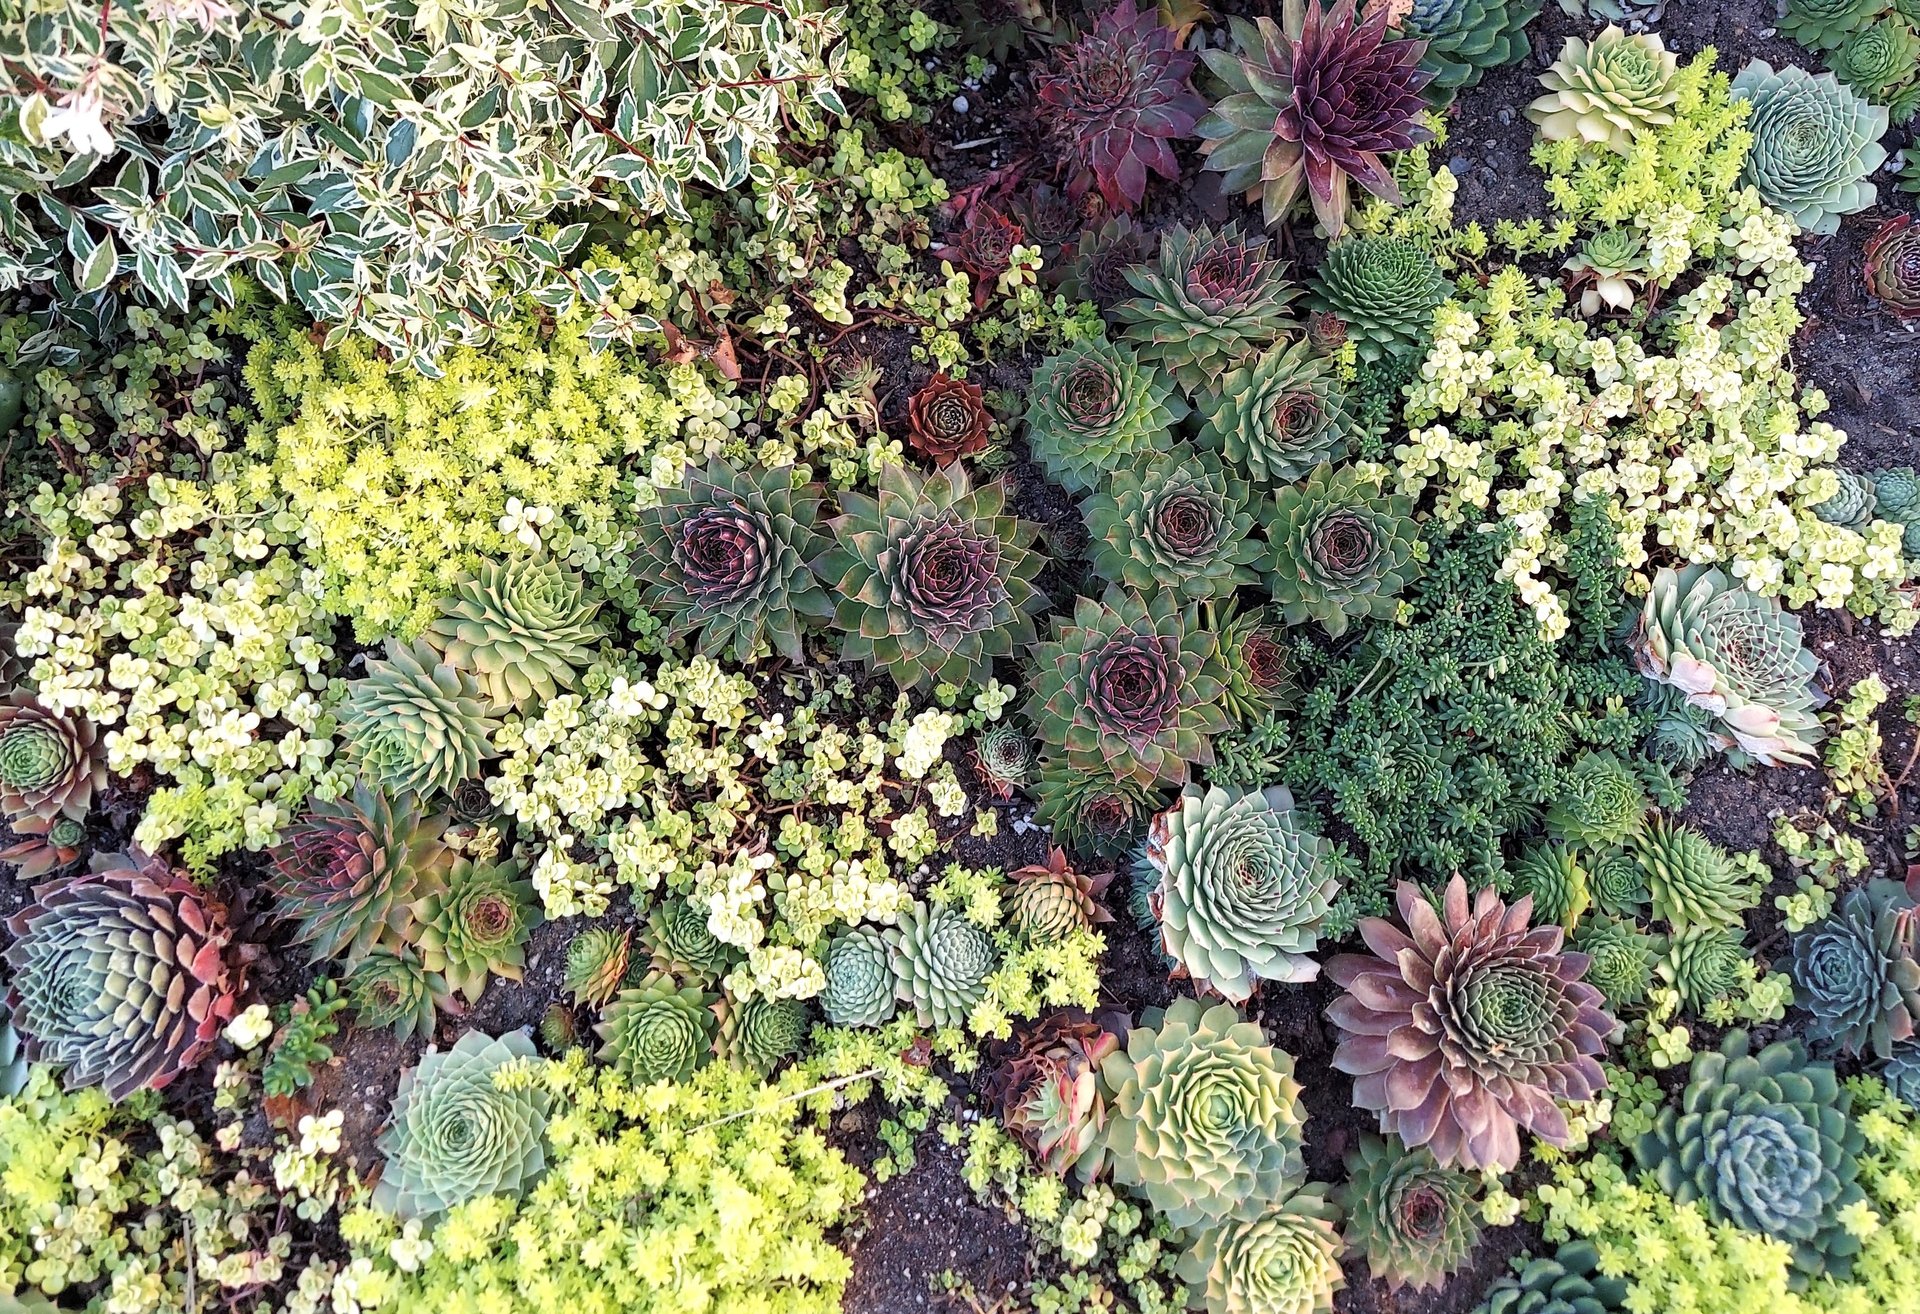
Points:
[(1855, 972), (457, 1134), (1203, 1115), (861, 987), (1569, 1281), (1180, 522), (1130, 687), (933, 577), (1095, 408), (1242, 890), (1815, 144), (1286, 1259), (1465, 38), (941, 962), (1279, 415), (723, 558), (1338, 549), (1764, 1141)]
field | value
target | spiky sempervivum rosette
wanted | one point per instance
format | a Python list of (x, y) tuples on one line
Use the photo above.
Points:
[(417, 724), (1704, 965), (1180, 522), (1314, 102), (1113, 101), (393, 989), (680, 943), (1608, 91), (1286, 1259), (723, 557), (1278, 416), (1101, 258), (43, 845), (1051, 899), (1826, 24), (1338, 549), (1602, 803), (1617, 883), (1467, 1026), (941, 962), (1815, 143), (1259, 672), (1465, 38), (1048, 1089), (596, 964), (1413, 1221), (1094, 409), (348, 874), (1003, 759), (1210, 299), (861, 987), (983, 247), (1737, 656), (477, 925), (1129, 687), (1622, 959), (50, 763), (1384, 289), (1569, 1281), (1203, 1115), (1892, 265), (1763, 1141), (1901, 1073), (1690, 880), (1093, 813), (658, 1031), (758, 1033), (947, 419), (1552, 876), (123, 975), (1855, 972), (1242, 889), (456, 1135), (1879, 62), (524, 628), (934, 577)]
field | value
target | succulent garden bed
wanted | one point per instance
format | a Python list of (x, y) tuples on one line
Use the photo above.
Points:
[(735, 656)]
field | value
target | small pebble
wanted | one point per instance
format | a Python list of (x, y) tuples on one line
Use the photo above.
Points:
[(1459, 165), (1503, 115), (961, 105)]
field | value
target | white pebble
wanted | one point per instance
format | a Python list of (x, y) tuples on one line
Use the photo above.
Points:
[(961, 105)]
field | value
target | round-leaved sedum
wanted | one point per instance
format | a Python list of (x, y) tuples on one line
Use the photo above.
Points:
[(1242, 890), (458, 1135)]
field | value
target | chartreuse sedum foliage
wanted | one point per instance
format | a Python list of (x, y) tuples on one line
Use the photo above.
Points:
[(1128, 687), (1413, 1221), (1180, 522), (1855, 973), (1279, 415), (458, 1133), (1735, 655), (1339, 549), (1764, 1140), (1240, 888), (1095, 408), (658, 1031), (1467, 1026), (414, 723), (1607, 91), (1465, 38), (932, 577), (1209, 299), (524, 628), (1815, 143), (1285, 1259), (1203, 1115)]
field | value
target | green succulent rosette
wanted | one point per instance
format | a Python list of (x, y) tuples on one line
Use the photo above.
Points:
[(1259, 670), (524, 628), (1210, 299), (723, 558), (1093, 813), (1179, 522), (658, 1031), (1608, 91), (1204, 1116), (417, 724), (1880, 62), (596, 966), (1617, 883), (679, 943), (861, 988), (1826, 24), (941, 962), (1815, 144), (457, 1134), (1279, 415), (1338, 550), (1242, 889), (758, 1033), (349, 872), (1601, 803), (1552, 875), (393, 989), (1287, 1258), (1466, 38), (1413, 1221), (1763, 1141), (1852, 505), (477, 926), (1690, 880), (1569, 1281), (1621, 959), (1095, 408), (51, 764), (1704, 965), (1130, 688), (1384, 289), (1856, 974), (934, 577)]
